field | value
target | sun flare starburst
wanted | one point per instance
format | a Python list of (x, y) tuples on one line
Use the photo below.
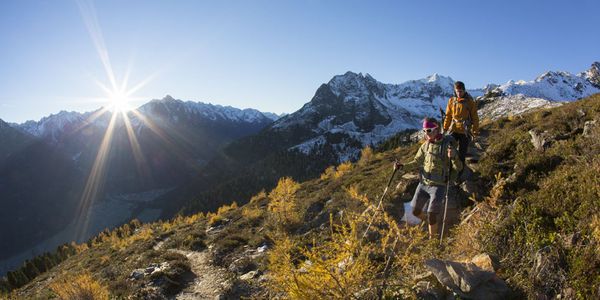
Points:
[(119, 102)]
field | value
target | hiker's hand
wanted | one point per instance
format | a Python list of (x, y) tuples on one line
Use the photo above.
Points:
[(450, 152), (397, 165)]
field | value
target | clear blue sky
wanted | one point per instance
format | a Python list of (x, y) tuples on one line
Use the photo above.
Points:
[(273, 55)]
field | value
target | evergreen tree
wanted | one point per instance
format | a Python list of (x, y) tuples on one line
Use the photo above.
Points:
[(17, 278), (30, 270)]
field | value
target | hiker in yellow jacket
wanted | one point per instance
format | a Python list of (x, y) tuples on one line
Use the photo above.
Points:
[(461, 119)]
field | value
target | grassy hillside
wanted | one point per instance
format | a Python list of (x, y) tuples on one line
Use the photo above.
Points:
[(538, 217), (547, 223)]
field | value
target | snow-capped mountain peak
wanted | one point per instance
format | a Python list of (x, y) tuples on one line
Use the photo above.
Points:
[(53, 125), (168, 107), (555, 85), (352, 84), (593, 74), (443, 81), (365, 110), (168, 98)]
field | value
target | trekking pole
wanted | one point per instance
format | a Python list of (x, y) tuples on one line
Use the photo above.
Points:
[(380, 201), (446, 200), (386, 269)]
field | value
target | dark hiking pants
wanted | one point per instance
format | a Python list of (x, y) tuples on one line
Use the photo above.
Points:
[(463, 145)]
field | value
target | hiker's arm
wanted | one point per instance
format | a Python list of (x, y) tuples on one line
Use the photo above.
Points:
[(448, 118), (417, 160), (474, 119)]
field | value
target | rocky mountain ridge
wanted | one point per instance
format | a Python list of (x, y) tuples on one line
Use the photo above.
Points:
[(54, 125)]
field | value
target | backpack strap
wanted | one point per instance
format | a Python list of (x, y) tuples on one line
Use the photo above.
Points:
[(446, 141), (466, 103)]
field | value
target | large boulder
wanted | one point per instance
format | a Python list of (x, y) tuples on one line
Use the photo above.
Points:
[(468, 280)]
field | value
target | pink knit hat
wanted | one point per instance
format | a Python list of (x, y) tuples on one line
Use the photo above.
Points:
[(428, 124)]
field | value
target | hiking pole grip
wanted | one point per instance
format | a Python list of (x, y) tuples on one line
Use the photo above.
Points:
[(392, 177)]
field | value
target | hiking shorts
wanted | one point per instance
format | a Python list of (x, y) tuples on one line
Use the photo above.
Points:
[(430, 198)]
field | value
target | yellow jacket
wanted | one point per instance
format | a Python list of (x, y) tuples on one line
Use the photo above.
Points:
[(459, 112)]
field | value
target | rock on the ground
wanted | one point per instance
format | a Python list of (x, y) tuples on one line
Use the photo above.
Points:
[(540, 140), (485, 262), (151, 269), (588, 128), (468, 280), (250, 275)]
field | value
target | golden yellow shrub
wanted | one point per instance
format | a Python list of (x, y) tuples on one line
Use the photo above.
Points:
[(329, 173), (347, 264), (214, 219), (595, 227), (366, 155), (252, 213), (261, 195), (193, 218), (143, 234), (343, 169), (282, 201), (81, 287)]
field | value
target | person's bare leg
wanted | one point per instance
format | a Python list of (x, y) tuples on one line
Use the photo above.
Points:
[(422, 216), (433, 226), (433, 231)]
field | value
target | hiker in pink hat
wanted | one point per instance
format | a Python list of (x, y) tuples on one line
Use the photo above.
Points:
[(439, 166)]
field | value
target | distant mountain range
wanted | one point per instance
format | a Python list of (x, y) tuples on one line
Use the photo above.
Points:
[(53, 127), (547, 90), (46, 165), (197, 156)]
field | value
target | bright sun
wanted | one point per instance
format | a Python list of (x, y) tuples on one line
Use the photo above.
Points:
[(119, 102)]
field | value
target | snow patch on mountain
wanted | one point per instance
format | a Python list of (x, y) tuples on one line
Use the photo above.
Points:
[(309, 145), (554, 86), (514, 105), (53, 125)]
